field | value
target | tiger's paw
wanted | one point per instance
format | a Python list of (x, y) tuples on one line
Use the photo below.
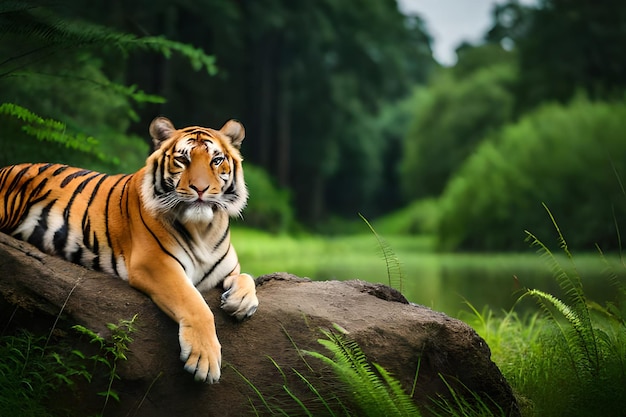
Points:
[(201, 352), (240, 300)]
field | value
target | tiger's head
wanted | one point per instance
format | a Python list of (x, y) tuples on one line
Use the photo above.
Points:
[(194, 171)]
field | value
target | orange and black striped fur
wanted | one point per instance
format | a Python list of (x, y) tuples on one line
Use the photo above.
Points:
[(165, 228)]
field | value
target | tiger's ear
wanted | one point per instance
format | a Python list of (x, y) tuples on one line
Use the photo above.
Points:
[(235, 130), (161, 129)]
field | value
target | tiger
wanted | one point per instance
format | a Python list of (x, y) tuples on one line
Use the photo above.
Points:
[(164, 229)]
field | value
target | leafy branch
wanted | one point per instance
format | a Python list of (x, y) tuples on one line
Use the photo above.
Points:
[(50, 130), (43, 34)]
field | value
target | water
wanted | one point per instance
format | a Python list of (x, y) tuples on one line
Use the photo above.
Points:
[(448, 282), (444, 282)]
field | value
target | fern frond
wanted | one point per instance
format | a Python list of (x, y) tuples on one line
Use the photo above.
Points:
[(50, 130), (377, 393), (569, 313), (197, 57), (43, 34), (402, 401), (570, 283), (392, 262), (580, 336), (578, 314)]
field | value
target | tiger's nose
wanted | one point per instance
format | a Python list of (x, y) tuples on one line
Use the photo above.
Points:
[(198, 190)]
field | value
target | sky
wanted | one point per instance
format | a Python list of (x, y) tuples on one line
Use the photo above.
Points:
[(451, 22)]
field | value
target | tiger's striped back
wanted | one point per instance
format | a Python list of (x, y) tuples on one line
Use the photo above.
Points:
[(67, 212), (177, 206)]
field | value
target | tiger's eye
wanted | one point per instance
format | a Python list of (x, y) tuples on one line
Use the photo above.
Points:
[(217, 160), (181, 159)]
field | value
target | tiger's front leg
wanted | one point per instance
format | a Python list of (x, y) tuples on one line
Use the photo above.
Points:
[(169, 288), (239, 298)]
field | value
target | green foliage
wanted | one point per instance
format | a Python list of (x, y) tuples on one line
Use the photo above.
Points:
[(49, 130), (198, 59), (562, 49), (111, 351), (375, 391), (569, 360), (593, 348), (563, 156), (31, 372), (579, 332), (371, 390), (269, 207), (418, 218), (23, 131), (535, 358), (392, 263), (451, 118), (43, 33), (68, 70)]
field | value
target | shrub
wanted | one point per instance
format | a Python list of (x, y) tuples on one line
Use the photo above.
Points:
[(452, 117), (419, 217), (567, 157), (268, 206)]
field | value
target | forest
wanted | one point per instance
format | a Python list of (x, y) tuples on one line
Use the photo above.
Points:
[(346, 111)]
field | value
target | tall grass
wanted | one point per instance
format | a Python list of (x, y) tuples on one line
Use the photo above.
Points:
[(569, 359)]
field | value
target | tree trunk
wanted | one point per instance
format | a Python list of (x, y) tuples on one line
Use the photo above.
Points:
[(284, 132)]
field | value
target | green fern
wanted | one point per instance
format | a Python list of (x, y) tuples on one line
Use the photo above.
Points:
[(376, 392), (43, 34), (392, 262), (51, 130), (371, 388), (614, 310), (581, 337)]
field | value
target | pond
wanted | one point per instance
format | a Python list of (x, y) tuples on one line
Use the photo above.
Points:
[(444, 282)]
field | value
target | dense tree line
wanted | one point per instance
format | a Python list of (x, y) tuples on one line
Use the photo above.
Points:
[(532, 116), (309, 79)]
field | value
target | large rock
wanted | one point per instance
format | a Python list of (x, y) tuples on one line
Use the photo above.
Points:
[(36, 290)]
